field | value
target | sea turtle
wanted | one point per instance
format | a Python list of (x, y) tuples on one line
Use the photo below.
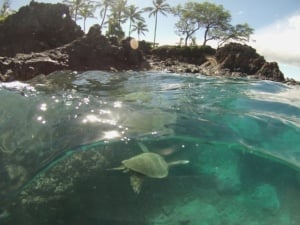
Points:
[(147, 164)]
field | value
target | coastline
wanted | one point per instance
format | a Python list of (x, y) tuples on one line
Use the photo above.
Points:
[(63, 46)]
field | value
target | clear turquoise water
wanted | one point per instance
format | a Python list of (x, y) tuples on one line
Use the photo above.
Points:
[(59, 134)]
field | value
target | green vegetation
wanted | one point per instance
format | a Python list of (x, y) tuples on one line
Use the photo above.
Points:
[(159, 6), (75, 6), (239, 32), (116, 18), (87, 11), (5, 10), (140, 27), (199, 52), (214, 19), (114, 28), (135, 17), (206, 19), (104, 6)]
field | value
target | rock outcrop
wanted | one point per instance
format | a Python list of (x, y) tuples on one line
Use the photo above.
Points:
[(36, 28), (241, 60), (96, 52), (270, 71), (26, 66), (90, 52), (232, 60)]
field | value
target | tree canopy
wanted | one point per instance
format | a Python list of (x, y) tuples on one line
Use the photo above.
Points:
[(140, 27), (211, 20), (134, 16), (5, 10), (187, 24), (239, 32), (75, 6), (87, 11)]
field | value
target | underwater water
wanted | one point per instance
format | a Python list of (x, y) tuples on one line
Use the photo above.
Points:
[(61, 135)]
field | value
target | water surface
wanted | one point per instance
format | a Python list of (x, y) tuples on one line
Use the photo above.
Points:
[(60, 133)]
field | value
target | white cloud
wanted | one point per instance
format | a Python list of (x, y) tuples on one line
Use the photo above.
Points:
[(280, 41)]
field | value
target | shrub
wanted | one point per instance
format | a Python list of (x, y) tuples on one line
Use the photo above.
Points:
[(168, 51)]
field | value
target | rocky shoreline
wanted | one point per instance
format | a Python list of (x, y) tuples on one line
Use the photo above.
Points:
[(90, 52), (34, 48)]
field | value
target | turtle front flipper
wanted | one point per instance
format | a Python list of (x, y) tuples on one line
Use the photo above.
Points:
[(136, 182), (143, 147), (122, 167)]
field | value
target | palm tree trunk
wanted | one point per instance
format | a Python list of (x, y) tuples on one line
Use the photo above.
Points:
[(129, 28), (84, 20), (155, 29), (119, 19), (103, 19), (76, 12)]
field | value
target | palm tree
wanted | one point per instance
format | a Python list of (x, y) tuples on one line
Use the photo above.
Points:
[(140, 27), (118, 10), (74, 6), (104, 6), (159, 6), (87, 11), (133, 14), (5, 10), (114, 29)]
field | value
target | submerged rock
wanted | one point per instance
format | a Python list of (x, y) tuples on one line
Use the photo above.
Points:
[(50, 188), (222, 167), (265, 197), (193, 212), (76, 188)]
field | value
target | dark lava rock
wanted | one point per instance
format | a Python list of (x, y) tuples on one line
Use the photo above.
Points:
[(270, 71), (241, 59), (27, 66), (37, 27), (90, 52), (95, 52)]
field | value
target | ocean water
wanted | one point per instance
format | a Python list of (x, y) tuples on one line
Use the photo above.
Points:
[(60, 136)]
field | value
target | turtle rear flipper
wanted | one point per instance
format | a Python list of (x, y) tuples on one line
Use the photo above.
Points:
[(136, 182)]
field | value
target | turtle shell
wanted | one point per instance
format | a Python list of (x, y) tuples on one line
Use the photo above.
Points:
[(149, 164)]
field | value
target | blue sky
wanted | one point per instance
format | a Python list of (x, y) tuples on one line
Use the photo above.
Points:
[(276, 24)]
